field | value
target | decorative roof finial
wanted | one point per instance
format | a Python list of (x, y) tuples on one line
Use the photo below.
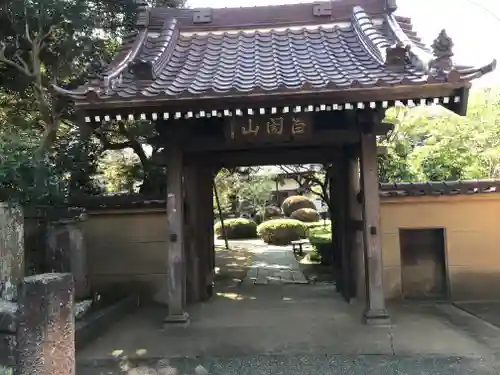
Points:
[(442, 45), (142, 9), (391, 6), (442, 49)]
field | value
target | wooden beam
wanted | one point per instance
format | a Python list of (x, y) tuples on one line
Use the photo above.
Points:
[(375, 312), (324, 138), (253, 157), (244, 100)]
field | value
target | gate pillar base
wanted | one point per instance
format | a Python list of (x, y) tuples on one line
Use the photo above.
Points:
[(177, 319), (376, 318)]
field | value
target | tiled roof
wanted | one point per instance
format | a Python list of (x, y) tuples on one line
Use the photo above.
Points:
[(267, 50), (406, 189)]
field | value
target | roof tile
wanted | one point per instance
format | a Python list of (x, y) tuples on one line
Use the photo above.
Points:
[(194, 62)]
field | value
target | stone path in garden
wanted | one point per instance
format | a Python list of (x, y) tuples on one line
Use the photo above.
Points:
[(271, 264)]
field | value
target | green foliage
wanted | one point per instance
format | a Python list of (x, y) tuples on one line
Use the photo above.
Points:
[(319, 224), (239, 228), (281, 231), (306, 215), (321, 240), (296, 202), (434, 144), (46, 155), (240, 191)]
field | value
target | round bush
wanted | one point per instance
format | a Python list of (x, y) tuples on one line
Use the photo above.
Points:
[(296, 202), (272, 212), (307, 215), (239, 228), (281, 231)]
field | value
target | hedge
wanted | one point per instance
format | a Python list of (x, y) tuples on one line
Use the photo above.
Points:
[(321, 240), (296, 202), (281, 231), (307, 215), (239, 228)]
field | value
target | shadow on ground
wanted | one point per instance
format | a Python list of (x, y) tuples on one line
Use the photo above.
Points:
[(284, 329)]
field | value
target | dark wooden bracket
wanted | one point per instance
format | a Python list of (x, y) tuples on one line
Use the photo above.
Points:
[(173, 237)]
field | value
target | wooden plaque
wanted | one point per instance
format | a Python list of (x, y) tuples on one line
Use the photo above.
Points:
[(269, 129)]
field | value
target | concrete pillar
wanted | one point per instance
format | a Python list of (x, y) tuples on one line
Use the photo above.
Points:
[(176, 284), (46, 326), (67, 251), (375, 312), (11, 250)]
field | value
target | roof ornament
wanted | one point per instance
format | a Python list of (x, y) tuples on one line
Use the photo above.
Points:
[(396, 56), (96, 69), (142, 70), (142, 8), (442, 49), (391, 6)]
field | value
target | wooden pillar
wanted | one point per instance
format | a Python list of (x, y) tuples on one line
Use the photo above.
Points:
[(176, 285), (375, 312), (355, 225), (191, 205), (209, 223), (343, 245), (204, 231)]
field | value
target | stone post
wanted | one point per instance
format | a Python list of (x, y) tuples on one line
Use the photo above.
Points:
[(46, 326), (11, 250), (67, 251)]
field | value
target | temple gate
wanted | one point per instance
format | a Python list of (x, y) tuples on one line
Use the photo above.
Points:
[(281, 84)]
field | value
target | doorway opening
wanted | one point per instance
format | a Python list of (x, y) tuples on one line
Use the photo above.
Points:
[(423, 263)]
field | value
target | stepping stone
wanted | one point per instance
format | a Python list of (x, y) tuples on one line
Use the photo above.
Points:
[(286, 275), (252, 273), (261, 281), (299, 278)]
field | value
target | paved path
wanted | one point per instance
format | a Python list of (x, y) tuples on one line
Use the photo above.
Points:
[(271, 264), (292, 330)]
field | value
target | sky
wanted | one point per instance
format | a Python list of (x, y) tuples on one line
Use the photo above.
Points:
[(474, 26)]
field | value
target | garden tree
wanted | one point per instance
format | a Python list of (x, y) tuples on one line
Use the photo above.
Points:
[(433, 144), (52, 41), (242, 189), (120, 137), (119, 170), (315, 180)]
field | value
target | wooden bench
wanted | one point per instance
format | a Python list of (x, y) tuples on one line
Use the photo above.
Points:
[(297, 246)]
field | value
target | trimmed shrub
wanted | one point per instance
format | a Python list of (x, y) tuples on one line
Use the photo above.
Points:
[(239, 228), (321, 241), (320, 224), (281, 231), (271, 212), (296, 202), (307, 215)]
